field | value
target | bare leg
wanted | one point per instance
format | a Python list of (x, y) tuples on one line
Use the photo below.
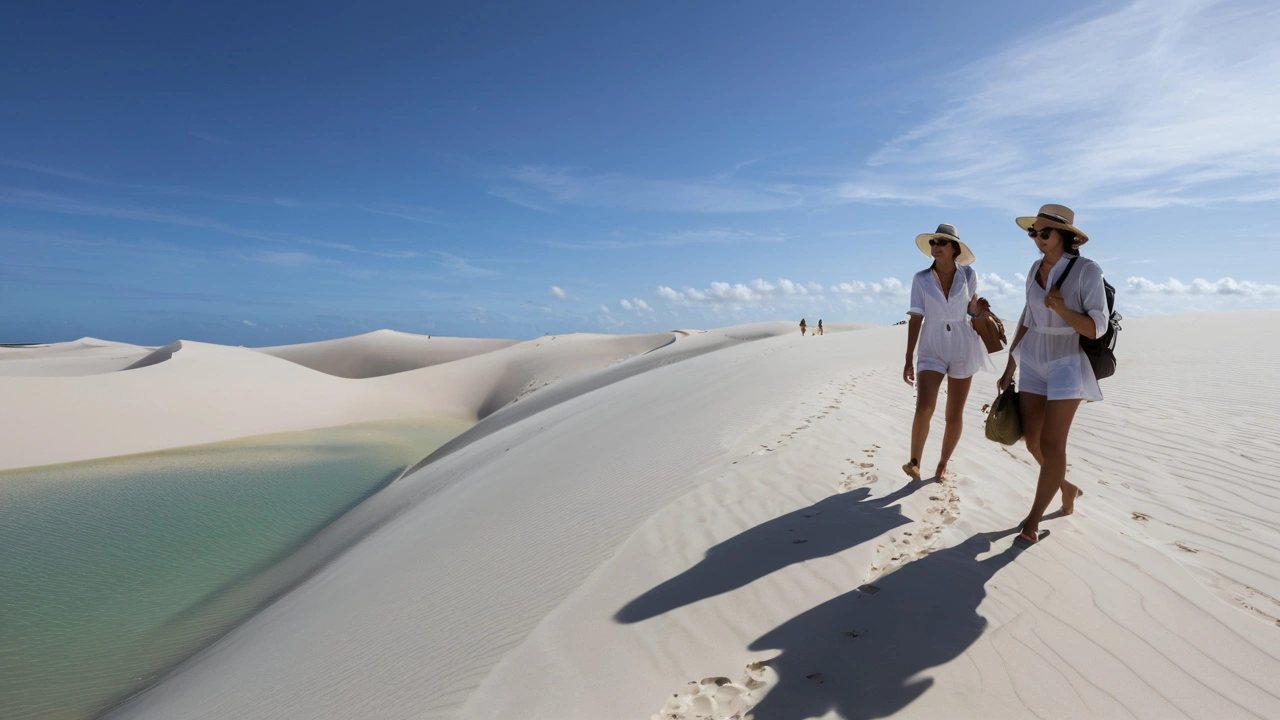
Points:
[(927, 384), (1031, 410), (1053, 464), (957, 395)]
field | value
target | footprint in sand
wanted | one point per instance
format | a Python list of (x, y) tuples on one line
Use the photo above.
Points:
[(920, 538), (718, 698)]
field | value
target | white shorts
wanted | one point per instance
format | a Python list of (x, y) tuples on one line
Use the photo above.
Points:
[(952, 370), (1062, 380)]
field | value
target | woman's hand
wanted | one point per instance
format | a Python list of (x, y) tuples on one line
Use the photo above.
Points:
[(1054, 301), (909, 373), (1007, 377)]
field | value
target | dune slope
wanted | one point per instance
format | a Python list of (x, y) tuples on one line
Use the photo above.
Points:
[(588, 559), (382, 352)]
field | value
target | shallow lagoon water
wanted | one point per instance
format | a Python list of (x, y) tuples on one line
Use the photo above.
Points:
[(112, 571)]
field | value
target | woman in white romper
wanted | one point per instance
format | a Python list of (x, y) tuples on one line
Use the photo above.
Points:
[(1056, 374), (944, 296)]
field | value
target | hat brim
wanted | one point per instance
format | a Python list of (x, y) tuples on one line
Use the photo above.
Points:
[(1026, 222), (964, 258)]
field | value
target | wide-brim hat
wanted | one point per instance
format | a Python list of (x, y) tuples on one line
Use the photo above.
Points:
[(1059, 216), (947, 232)]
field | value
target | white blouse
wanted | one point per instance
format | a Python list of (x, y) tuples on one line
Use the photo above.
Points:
[(947, 333), (1051, 341)]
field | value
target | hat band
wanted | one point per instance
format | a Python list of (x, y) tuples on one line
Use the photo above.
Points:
[(1055, 218)]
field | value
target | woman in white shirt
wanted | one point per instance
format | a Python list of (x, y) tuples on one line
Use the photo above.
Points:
[(943, 298), (1056, 374)]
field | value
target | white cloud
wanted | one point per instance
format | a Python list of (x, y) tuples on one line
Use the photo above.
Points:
[(626, 304), (1224, 287), (605, 308), (557, 292), (887, 288), (784, 292), (635, 304), (993, 284), (1161, 102), (250, 323)]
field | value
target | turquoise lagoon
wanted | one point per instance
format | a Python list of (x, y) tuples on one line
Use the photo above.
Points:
[(112, 571)]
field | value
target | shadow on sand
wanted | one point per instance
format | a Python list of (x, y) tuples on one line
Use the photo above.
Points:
[(833, 525), (861, 654)]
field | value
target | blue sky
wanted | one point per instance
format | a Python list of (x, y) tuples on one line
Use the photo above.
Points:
[(255, 173)]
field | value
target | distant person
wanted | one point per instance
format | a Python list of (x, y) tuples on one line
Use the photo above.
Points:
[(820, 331), (1056, 374), (802, 326), (943, 297)]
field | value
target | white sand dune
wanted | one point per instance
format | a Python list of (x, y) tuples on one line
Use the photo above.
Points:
[(86, 356), (382, 352), (206, 393), (733, 497)]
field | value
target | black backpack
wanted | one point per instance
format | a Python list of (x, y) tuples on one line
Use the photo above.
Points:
[(1101, 351)]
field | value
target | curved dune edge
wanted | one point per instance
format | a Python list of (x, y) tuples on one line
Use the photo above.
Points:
[(86, 356), (208, 393), (382, 352), (158, 356), (645, 531)]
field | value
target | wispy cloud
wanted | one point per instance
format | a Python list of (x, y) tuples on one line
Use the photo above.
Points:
[(64, 205), (673, 239), (288, 259), (558, 292), (1160, 103), (460, 266), (539, 187), (210, 138), (413, 213)]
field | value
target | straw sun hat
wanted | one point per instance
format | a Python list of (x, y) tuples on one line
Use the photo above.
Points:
[(946, 232), (1059, 216)]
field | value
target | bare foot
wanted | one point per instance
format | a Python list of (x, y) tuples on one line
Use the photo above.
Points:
[(1030, 535), (912, 469), (941, 473), (1069, 494)]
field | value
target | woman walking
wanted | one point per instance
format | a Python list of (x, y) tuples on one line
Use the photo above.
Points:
[(941, 296), (1056, 374)]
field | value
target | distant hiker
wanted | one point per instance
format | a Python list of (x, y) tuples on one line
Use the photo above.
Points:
[(941, 294), (802, 326), (820, 332), (1061, 308)]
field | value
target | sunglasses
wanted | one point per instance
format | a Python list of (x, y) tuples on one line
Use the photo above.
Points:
[(935, 242), (1043, 233)]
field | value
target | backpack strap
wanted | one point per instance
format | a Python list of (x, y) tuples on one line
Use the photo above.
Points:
[(1063, 277)]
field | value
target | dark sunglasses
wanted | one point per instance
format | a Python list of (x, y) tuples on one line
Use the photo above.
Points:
[(1042, 232), (935, 242)]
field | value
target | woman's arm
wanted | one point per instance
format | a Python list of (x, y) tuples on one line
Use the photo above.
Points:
[(1081, 323), (913, 334), (1012, 365)]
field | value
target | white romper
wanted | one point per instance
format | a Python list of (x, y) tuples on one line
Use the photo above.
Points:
[(948, 342), (1050, 360)]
